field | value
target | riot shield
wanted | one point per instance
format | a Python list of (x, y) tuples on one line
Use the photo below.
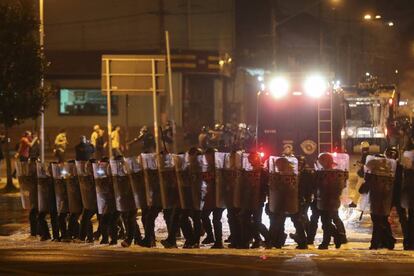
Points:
[(44, 188), (220, 159), (233, 176), (306, 185), (87, 185), (104, 188), (73, 188), (251, 193), (60, 174), (380, 175), (122, 188), (26, 174), (196, 180), (168, 185), (209, 184), (183, 181), (407, 195), (152, 180), (136, 176), (283, 185), (227, 175)]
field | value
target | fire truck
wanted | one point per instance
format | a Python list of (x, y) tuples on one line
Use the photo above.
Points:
[(370, 110), (312, 115), (302, 111)]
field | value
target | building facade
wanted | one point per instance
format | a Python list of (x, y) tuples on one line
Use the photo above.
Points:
[(78, 33)]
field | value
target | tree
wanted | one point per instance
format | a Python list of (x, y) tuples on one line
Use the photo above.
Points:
[(22, 66)]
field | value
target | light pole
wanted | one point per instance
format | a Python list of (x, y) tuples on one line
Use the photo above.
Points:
[(42, 114)]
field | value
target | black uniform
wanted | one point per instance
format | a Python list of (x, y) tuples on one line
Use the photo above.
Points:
[(330, 184), (380, 193), (407, 202), (47, 205), (254, 190)]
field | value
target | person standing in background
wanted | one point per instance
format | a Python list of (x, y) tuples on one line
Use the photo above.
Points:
[(95, 134), (100, 145), (61, 143), (26, 142), (116, 141), (84, 150)]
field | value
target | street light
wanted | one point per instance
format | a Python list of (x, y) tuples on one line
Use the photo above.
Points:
[(367, 17), (391, 24)]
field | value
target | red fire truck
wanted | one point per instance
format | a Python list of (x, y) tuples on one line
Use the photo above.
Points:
[(313, 114), (303, 111)]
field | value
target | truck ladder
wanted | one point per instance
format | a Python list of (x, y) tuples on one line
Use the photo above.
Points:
[(325, 135)]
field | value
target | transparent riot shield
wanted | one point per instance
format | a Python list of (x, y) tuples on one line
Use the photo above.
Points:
[(330, 184), (152, 180), (183, 181), (122, 188), (26, 175), (168, 185), (73, 189), (104, 188), (220, 159), (44, 188), (237, 165), (380, 175), (251, 194), (209, 184), (196, 180), (136, 176), (231, 177), (87, 185), (407, 195), (283, 185), (60, 175)]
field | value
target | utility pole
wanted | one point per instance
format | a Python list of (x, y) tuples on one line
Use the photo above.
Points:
[(170, 89), (273, 32)]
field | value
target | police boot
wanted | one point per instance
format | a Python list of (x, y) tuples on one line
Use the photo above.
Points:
[(218, 245), (209, 239), (168, 244), (126, 243)]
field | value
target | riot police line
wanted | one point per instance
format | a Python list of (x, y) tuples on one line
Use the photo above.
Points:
[(189, 188)]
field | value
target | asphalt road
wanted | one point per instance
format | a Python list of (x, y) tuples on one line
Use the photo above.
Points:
[(35, 261)]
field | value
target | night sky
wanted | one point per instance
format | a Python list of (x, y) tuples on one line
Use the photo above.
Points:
[(385, 49)]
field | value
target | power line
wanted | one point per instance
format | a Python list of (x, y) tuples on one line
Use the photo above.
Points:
[(149, 13)]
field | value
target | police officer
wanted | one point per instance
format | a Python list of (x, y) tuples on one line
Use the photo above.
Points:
[(47, 203), (379, 180), (306, 192), (252, 208), (408, 196), (204, 138), (228, 138), (216, 136), (108, 220), (192, 232), (146, 139), (88, 192), (330, 183), (283, 203), (393, 153), (209, 206)]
